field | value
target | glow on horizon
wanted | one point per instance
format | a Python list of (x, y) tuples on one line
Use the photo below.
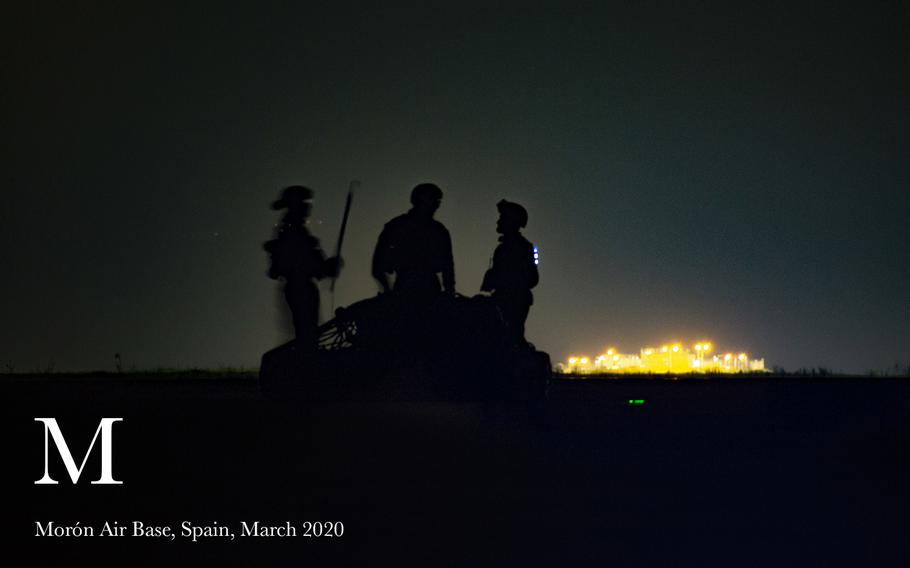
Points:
[(673, 357)]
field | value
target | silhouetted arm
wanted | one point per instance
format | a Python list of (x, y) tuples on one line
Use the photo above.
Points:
[(332, 267), (381, 260), (491, 276), (322, 267), (448, 267)]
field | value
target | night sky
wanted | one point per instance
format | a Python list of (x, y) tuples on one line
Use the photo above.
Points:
[(707, 171)]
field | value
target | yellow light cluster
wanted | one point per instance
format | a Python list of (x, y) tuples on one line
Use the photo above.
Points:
[(672, 357)]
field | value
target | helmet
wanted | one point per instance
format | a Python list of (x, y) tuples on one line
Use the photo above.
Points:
[(425, 191), (293, 195), (513, 210)]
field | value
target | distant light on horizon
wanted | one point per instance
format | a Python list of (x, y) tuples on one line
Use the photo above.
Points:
[(673, 358)]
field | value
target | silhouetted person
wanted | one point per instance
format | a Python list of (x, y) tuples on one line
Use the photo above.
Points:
[(417, 249), (297, 259), (514, 269)]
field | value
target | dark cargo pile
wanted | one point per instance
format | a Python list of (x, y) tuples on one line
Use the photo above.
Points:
[(387, 348)]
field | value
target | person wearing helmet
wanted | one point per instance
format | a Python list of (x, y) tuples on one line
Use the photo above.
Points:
[(513, 270), (298, 260), (417, 249)]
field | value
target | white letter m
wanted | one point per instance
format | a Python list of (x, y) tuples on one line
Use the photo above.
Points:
[(105, 427)]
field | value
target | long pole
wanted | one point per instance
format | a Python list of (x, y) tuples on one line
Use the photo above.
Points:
[(354, 185)]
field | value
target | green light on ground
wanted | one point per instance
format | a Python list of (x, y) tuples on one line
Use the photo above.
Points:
[(636, 402)]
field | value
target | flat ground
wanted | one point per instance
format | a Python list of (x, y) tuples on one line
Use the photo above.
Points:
[(726, 472)]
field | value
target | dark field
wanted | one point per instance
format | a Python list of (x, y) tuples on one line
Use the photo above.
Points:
[(725, 472)]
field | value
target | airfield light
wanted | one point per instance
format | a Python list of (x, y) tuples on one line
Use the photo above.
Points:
[(669, 358), (636, 402)]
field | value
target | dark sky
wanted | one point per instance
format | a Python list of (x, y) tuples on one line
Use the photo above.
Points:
[(691, 170)]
